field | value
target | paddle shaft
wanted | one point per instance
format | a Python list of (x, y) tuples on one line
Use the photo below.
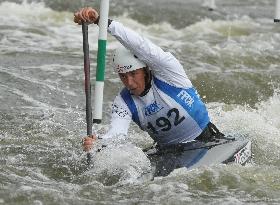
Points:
[(87, 79), (87, 84)]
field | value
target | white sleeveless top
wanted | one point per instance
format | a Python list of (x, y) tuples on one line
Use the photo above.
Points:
[(172, 111)]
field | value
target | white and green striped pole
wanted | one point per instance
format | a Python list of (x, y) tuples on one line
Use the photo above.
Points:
[(101, 61), (212, 5), (277, 11)]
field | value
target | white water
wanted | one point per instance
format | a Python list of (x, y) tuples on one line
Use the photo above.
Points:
[(43, 117)]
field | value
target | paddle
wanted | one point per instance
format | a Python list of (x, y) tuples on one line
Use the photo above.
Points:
[(87, 84), (96, 116)]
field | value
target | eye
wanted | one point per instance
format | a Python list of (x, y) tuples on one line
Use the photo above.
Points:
[(134, 72), (122, 75)]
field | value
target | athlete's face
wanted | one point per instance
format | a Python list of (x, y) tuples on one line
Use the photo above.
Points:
[(134, 81)]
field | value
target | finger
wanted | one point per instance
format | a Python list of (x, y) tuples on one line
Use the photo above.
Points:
[(93, 137), (95, 13), (77, 16), (92, 15), (87, 148), (88, 139), (85, 14), (80, 16), (87, 143)]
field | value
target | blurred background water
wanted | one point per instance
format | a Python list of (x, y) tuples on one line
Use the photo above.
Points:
[(231, 55)]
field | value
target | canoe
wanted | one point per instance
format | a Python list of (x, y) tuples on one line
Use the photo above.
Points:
[(195, 154)]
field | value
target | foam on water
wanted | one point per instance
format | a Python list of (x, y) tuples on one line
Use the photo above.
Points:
[(270, 110), (120, 164), (260, 124), (35, 25), (40, 82), (56, 33), (43, 116), (227, 183)]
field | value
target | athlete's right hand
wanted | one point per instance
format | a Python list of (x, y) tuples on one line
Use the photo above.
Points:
[(88, 142), (87, 15)]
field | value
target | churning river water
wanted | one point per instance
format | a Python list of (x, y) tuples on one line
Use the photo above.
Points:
[(231, 54)]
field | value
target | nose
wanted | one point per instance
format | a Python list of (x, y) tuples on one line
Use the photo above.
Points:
[(129, 80)]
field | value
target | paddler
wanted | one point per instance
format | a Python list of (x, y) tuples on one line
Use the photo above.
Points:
[(157, 95)]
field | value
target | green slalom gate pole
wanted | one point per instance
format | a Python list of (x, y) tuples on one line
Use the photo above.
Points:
[(101, 61)]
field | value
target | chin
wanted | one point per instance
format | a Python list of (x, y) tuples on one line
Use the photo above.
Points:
[(135, 92)]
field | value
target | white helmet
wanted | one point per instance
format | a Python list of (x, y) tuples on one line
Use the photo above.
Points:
[(124, 61)]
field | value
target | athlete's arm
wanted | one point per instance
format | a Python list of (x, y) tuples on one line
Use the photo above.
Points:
[(163, 64), (120, 119)]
